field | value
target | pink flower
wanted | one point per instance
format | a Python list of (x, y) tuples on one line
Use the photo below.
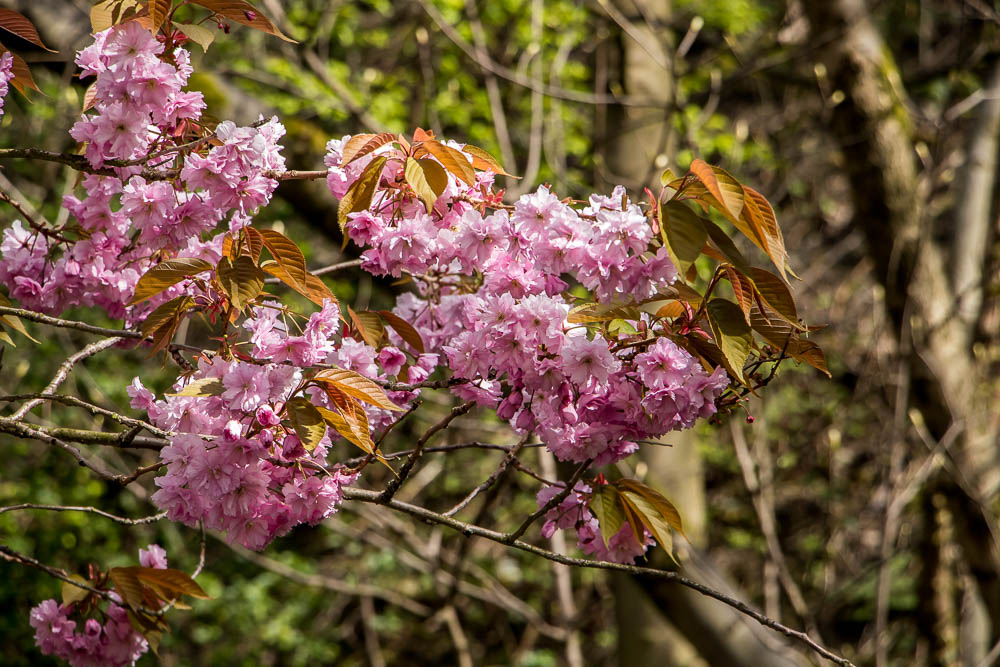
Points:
[(588, 361), (153, 556)]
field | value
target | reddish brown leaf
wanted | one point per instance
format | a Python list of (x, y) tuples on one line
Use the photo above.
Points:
[(18, 24)]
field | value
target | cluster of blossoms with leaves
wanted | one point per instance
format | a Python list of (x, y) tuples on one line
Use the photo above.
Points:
[(162, 233)]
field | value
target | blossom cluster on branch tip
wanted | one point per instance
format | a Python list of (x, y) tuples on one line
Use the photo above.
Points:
[(113, 643)]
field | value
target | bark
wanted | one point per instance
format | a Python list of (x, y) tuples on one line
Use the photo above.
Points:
[(919, 272)]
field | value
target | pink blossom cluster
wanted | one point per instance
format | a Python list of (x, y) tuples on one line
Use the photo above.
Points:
[(6, 74), (139, 111), (110, 644), (232, 463), (500, 278), (573, 512)]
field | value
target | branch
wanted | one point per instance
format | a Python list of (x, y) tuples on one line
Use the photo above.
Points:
[(510, 538), (394, 484), (8, 554), (93, 409), (469, 530), (504, 464), (93, 510)]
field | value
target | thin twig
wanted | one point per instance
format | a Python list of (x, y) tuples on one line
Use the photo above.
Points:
[(510, 538), (507, 460), (93, 510), (93, 409), (467, 529), (395, 483)]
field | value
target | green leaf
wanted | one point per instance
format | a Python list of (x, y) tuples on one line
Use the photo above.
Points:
[(686, 234), (726, 247), (732, 334), (605, 505), (5, 337), (404, 329), (667, 177), (241, 279), (202, 387), (619, 326), (427, 178), (307, 421), (165, 274), (358, 386), (286, 253), (200, 35), (600, 312), (359, 196), (72, 594)]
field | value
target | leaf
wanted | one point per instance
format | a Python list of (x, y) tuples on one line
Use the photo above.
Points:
[(89, 97), (483, 161), (369, 325), (356, 431), (657, 499), (127, 585), (600, 312), (427, 178), (605, 505), (453, 160), (315, 289), (732, 335), (307, 421), (72, 594), (360, 387), (285, 253), (22, 79), (351, 148), (171, 581), (759, 215), (105, 14), (376, 141), (634, 520), (782, 336), (255, 240), (420, 134), (165, 313), (742, 289), (15, 322), (726, 246), (245, 13), (18, 24), (241, 279), (651, 519), (202, 387), (726, 192), (776, 294), (404, 329), (166, 274), (685, 232), (5, 337), (200, 35), (158, 10), (359, 196)]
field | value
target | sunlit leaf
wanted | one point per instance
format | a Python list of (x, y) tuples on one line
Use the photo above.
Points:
[(241, 279), (359, 196), (358, 386), (15, 322), (742, 289), (605, 505), (726, 192), (158, 10), (22, 81), (685, 232), (427, 178), (453, 160), (776, 294), (759, 215), (286, 253), (202, 387), (307, 421), (376, 142), (651, 519), (165, 274), (315, 289), (351, 148), (369, 325), (483, 161)]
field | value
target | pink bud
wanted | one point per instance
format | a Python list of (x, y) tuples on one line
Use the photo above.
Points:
[(250, 15), (750, 419)]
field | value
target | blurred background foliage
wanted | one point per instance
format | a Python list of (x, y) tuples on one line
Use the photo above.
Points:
[(793, 509)]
